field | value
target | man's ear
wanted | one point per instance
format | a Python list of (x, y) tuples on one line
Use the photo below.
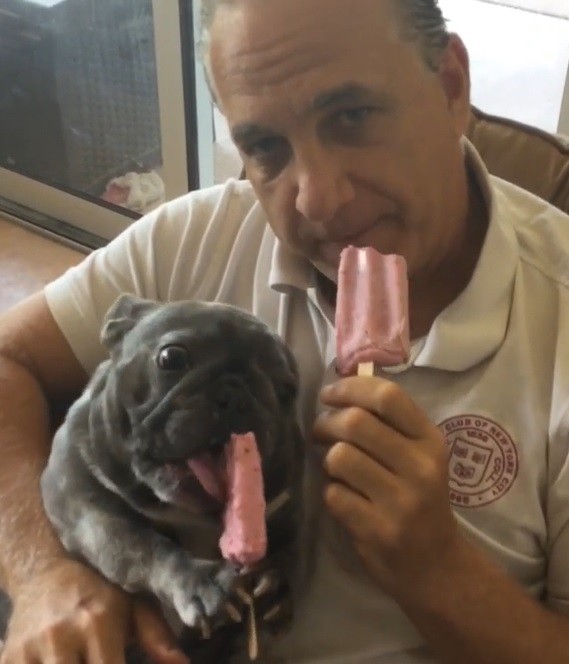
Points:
[(122, 316), (454, 74)]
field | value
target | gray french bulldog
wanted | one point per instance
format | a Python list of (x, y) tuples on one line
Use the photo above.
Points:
[(181, 379)]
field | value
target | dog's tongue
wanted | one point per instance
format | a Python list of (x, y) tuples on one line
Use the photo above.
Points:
[(209, 475), (244, 539)]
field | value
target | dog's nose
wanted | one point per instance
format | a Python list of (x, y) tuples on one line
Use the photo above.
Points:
[(231, 399)]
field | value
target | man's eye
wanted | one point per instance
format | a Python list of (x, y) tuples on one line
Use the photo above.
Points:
[(264, 148), (354, 117), (267, 156)]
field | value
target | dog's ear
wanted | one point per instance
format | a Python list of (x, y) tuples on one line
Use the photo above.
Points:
[(122, 316)]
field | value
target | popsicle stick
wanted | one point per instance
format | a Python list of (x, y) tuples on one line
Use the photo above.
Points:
[(366, 369), (253, 640)]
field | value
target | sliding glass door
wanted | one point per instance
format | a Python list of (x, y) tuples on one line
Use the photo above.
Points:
[(104, 112)]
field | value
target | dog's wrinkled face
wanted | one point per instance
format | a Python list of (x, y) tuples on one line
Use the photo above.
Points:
[(189, 375)]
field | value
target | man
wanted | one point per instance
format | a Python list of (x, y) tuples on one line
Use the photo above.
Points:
[(349, 117)]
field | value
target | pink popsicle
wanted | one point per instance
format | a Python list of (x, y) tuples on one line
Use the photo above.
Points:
[(372, 317), (244, 539)]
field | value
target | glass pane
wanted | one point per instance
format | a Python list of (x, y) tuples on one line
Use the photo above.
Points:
[(518, 57), (79, 98)]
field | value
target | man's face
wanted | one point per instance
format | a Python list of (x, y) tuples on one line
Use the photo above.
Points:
[(347, 137)]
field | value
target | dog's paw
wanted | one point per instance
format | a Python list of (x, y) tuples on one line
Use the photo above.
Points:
[(270, 590), (204, 595)]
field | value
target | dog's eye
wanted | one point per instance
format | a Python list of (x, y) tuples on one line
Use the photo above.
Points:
[(173, 358)]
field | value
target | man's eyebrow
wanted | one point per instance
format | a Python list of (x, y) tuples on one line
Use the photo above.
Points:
[(352, 93), (348, 93)]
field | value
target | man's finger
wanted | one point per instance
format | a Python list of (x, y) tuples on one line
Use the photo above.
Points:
[(353, 511), (104, 644), (383, 398), (350, 466), (155, 636), (363, 430)]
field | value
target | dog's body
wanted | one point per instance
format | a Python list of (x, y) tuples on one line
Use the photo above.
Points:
[(181, 379)]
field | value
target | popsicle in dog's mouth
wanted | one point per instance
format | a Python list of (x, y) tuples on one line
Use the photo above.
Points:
[(240, 486), (236, 480)]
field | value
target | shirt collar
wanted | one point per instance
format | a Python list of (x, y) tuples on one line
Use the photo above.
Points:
[(289, 270), (474, 326)]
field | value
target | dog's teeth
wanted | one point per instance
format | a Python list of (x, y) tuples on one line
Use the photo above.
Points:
[(233, 612), (273, 613)]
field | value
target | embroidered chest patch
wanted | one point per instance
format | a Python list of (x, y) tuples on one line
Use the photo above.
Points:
[(483, 463)]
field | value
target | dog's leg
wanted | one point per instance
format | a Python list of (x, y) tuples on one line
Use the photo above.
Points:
[(129, 552)]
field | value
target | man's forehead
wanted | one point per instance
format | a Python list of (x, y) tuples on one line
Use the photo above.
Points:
[(243, 26), (315, 66)]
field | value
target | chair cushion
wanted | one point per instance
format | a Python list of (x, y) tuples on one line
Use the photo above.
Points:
[(528, 157)]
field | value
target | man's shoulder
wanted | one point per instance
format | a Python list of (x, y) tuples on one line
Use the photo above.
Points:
[(220, 207), (202, 239), (200, 234), (541, 230)]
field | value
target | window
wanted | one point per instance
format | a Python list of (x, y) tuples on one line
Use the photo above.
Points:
[(94, 98)]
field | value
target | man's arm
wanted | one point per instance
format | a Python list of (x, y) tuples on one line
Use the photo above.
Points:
[(38, 374)]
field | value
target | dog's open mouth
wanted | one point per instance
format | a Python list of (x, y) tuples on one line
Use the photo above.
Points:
[(234, 478)]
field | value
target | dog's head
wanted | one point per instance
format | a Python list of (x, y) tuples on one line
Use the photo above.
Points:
[(184, 377)]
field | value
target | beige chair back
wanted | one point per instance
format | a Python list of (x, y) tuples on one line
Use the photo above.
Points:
[(526, 156)]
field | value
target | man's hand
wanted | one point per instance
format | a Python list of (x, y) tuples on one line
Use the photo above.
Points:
[(388, 466), (69, 614)]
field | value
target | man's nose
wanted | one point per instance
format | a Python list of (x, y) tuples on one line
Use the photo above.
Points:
[(323, 186)]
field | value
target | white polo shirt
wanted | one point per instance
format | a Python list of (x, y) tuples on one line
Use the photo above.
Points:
[(493, 373)]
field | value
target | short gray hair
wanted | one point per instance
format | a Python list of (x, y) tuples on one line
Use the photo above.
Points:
[(422, 22)]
